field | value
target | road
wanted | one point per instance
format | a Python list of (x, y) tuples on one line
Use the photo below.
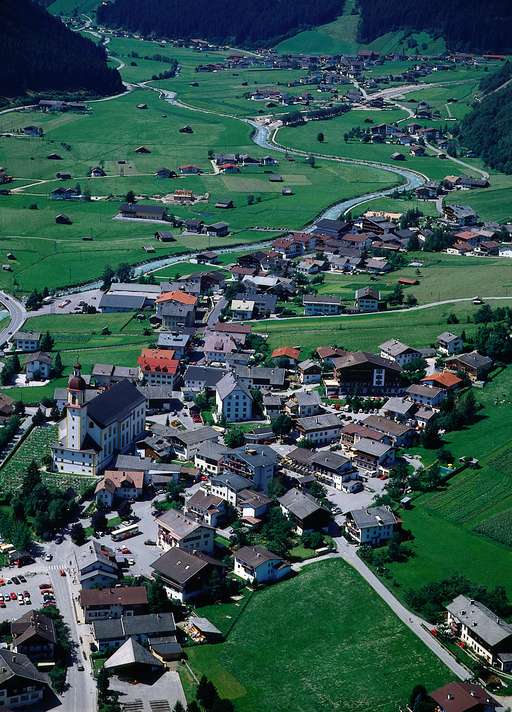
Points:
[(17, 313), (348, 553), (213, 316)]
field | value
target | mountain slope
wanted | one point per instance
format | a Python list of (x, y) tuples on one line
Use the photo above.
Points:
[(467, 25), (241, 22), (39, 53)]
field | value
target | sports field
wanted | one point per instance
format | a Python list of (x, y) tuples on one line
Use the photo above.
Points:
[(323, 640)]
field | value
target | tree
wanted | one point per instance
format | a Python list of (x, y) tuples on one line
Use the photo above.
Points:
[(282, 425), (206, 693), (46, 342), (158, 600), (78, 534), (222, 705), (192, 706), (107, 277), (250, 199), (178, 707), (234, 437), (124, 509), (103, 682), (130, 197), (320, 137), (312, 540), (430, 437), (99, 521), (58, 366)]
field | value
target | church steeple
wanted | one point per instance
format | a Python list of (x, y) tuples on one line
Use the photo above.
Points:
[(76, 387)]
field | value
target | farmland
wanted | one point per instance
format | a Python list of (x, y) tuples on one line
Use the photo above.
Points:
[(326, 611)]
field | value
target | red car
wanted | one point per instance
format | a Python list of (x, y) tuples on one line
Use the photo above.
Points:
[(13, 596), (42, 586)]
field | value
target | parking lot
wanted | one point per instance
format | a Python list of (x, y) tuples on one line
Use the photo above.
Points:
[(346, 502), (11, 607)]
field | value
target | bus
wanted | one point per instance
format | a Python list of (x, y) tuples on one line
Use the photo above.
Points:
[(125, 532)]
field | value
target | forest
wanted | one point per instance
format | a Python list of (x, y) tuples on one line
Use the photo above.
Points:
[(466, 25), (241, 22), (38, 53)]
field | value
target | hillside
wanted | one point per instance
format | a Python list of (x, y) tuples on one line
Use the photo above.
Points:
[(241, 22), (466, 25), (487, 130), (39, 53)]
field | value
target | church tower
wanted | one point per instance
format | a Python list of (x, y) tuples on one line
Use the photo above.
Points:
[(76, 415)]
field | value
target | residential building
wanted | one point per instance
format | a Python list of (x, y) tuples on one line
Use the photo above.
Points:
[(482, 631), (252, 506), (200, 378), (185, 443), (449, 343), (398, 434), (233, 399), (259, 565), (310, 372), (34, 635), (366, 374), (106, 374), (158, 367), (256, 463), (371, 526), (228, 485), (26, 340), (443, 379), (394, 350), (205, 508), (372, 455), (242, 309), (331, 468), (94, 432), (97, 565), (304, 404), (218, 346), (399, 409), (318, 305), (320, 429), (21, 683), (367, 300), (473, 364), (306, 513), (174, 529), (112, 633), (118, 602), (174, 341), (287, 355), (464, 697), (185, 575), (176, 316), (117, 485), (426, 395), (209, 456), (38, 366)]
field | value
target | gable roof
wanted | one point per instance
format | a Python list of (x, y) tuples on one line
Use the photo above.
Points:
[(18, 665), (33, 624), (114, 403), (178, 524), (357, 358), (131, 652), (228, 384), (254, 556), (301, 505)]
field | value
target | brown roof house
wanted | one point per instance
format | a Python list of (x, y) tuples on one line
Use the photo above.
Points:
[(34, 635), (99, 603), (119, 484)]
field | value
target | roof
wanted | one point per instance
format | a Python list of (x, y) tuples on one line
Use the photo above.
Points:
[(225, 327), (301, 455), (27, 335), (480, 620), (330, 460), (445, 379), (237, 483), (219, 343), (210, 376), (393, 347), (94, 552), (114, 403), (447, 337), (300, 504), (319, 299), (203, 625), (171, 338), (398, 405), (307, 398), (367, 293), (18, 665), (356, 358), (113, 628), (473, 360), (287, 352), (416, 389), (178, 524), (131, 652), (113, 479), (180, 566), (228, 384), (319, 422), (195, 435), (248, 498), (255, 455), (30, 625), (177, 296), (371, 447), (122, 596), (160, 360), (126, 301), (373, 517), (203, 500), (41, 356), (385, 425), (254, 556), (463, 697)]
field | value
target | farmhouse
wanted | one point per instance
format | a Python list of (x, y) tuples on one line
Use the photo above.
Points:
[(394, 350), (184, 574), (473, 364), (367, 300), (101, 603)]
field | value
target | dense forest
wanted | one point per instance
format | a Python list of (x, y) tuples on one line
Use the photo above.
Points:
[(39, 53), (487, 130), (466, 25), (241, 22)]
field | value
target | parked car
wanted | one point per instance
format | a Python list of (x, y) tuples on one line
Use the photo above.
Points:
[(22, 578), (48, 557)]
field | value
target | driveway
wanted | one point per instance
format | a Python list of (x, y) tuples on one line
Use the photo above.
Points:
[(161, 696)]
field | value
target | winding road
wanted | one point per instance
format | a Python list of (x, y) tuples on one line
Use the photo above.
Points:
[(17, 313)]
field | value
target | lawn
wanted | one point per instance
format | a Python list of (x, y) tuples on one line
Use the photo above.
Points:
[(366, 332), (303, 645)]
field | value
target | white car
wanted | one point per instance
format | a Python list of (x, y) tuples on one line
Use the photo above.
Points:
[(48, 557)]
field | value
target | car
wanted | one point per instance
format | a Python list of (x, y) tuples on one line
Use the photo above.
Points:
[(59, 539), (125, 550), (8, 582), (22, 578), (131, 562), (15, 580), (62, 572), (80, 667), (48, 557), (150, 542), (13, 596), (2, 604), (26, 594), (2, 582), (1, 597), (42, 586)]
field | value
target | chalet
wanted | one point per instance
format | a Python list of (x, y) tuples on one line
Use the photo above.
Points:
[(66, 194), (449, 343), (473, 364), (26, 340), (428, 191), (463, 697), (367, 299), (331, 468), (306, 513), (443, 379), (331, 228), (309, 372), (320, 429), (21, 683), (34, 635), (102, 603), (157, 367), (399, 409), (372, 526), (164, 236), (286, 355), (460, 215), (194, 225), (304, 404), (364, 373), (252, 506), (97, 172), (359, 243), (258, 565), (394, 350), (140, 211), (174, 529), (185, 575), (317, 305), (165, 173), (397, 434), (205, 508), (426, 395), (218, 229), (111, 633), (38, 366), (118, 485)]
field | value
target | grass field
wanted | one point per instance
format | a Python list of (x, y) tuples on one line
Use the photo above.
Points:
[(366, 332), (325, 613)]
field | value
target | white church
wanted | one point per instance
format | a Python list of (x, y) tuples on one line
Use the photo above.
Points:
[(94, 432)]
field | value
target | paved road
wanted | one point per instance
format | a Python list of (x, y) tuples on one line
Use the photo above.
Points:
[(213, 316), (17, 313)]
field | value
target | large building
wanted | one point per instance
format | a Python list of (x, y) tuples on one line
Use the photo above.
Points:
[(94, 432), (21, 683), (366, 374)]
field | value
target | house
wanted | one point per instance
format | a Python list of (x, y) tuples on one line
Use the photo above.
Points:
[(318, 305), (205, 508), (233, 399), (111, 633), (353, 432), (443, 379), (367, 374), (63, 220), (460, 215), (97, 565), (449, 343), (174, 341), (174, 529), (287, 355), (259, 565), (367, 300), (158, 367), (93, 432), (399, 409), (255, 463), (304, 404), (119, 485), (482, 631), (217, 347), (242, 309), (133, 661), (190, 170), (185, 575), (371, 455), (260, 377), (26, 340), (141, 211), (97, 172), (177, 315), (320, 429), (34, 635), (164, 236), (463, 697), (309, 372), (331, 468), (38, 366), (397, 156), (306, 513), (165, 173), (225, 204), (21, 683), (33, 131), (65, 194), (199, 378), (228, 485), (102, 603), (218, 229), (264, 304), (473, 364), (394, 350), (372, 526), (398, 434), (185, 443), (426, 395), (252, 506)]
